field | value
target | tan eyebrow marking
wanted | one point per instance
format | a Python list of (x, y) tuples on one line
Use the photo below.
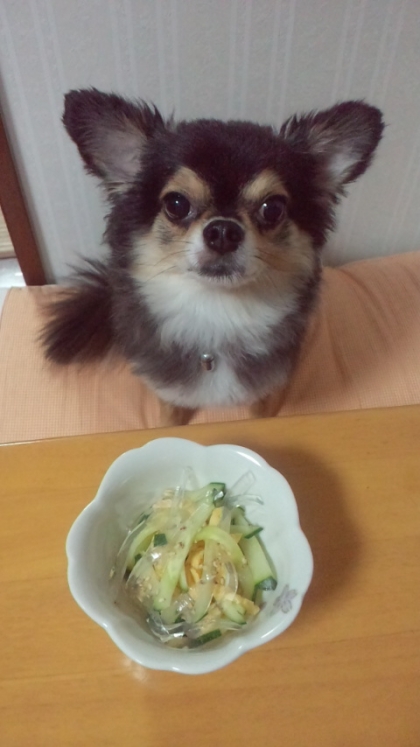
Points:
[(189, 183), (265, 184)]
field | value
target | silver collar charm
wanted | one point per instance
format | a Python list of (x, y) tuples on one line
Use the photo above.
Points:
[(207, 362)]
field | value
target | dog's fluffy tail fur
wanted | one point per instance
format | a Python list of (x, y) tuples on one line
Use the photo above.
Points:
[(79, 327)]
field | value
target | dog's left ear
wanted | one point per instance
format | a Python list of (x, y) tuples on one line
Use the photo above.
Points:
[(341, 140)]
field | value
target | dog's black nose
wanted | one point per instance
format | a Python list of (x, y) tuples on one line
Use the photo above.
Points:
[(223, 236)]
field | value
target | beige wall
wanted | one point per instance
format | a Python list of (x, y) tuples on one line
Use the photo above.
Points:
[(259, 59)]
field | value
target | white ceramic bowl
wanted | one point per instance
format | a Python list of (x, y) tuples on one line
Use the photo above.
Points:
[(98, 532)]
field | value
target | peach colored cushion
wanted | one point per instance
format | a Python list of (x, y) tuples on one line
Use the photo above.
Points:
[(362, 350)]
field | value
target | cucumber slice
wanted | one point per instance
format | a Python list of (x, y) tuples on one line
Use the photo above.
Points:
[(215, 490), (206, 585), (258, 562), (219, 493), (247, 530), (159, 539), (182, 543), (139, 546), (246, 582), (143, 536), (238, 515), (183, 583), (202, 602), (140, 519), (205, 638), (234, 611), (262, 573), (241, 523), (267, 584), (223, 538)]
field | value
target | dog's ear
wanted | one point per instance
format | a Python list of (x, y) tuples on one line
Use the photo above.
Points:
[(111, 134), (341, 140)]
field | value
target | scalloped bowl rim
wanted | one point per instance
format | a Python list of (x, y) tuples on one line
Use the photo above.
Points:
[(124, 632)]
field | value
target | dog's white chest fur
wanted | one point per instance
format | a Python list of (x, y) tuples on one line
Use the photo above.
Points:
[(214, 321)]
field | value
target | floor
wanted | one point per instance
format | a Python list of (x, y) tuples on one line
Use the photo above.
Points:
[(10, 273), (6, 247)]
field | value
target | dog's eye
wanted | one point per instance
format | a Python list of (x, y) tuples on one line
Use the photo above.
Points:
[(272, 210), (177, 207)]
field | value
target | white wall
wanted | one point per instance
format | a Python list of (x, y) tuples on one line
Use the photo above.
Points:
[(259, 59)]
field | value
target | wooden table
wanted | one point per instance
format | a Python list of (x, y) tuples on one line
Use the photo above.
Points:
[(346, 674)]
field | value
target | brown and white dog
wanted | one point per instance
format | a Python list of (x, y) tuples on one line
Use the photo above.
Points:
[(215, 235)]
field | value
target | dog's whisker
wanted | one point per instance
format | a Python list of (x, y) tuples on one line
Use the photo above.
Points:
[(161, 272), (268, 275), (147, 265), (266, 261)]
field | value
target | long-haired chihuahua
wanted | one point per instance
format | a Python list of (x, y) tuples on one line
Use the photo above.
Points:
[(215, 234)]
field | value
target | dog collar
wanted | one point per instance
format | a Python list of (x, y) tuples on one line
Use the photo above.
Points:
[(207, 361)]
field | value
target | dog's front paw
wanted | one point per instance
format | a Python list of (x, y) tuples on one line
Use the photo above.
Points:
[(174, 415), (270, 405)]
